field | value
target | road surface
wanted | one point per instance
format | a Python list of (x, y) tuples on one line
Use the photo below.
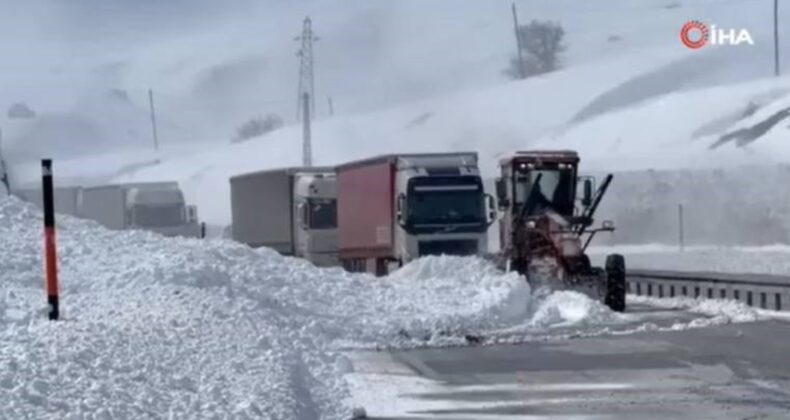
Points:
[(735, 371)]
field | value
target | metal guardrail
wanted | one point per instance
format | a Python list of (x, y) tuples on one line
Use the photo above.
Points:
[(758, 290)]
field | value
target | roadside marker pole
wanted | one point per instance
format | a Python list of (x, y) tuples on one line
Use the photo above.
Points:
[(50, 254)]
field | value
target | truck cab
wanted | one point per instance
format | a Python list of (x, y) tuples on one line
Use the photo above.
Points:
[(160, 207), (154, 206), (441, 206), (556, 189), (315, 217), (393, 209), (291, 210)]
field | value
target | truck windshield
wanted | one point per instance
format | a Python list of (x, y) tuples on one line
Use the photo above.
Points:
[(157, 215), (323, 213), (555, 190), (445, 200)]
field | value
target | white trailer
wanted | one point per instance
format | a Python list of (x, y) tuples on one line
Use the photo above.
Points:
[(156, 206), (66, 198), (291, 210)]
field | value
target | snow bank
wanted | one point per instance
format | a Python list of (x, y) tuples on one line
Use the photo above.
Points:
[(772, 259), (135, 343), (159, 326), (566, 308), (715, 311)]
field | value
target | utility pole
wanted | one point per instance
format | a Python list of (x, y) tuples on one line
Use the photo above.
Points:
[(306, 77), (681, 239), (4, 167), (331, 106), (521, 69), (153, 118), (307, 147), (776, 38)]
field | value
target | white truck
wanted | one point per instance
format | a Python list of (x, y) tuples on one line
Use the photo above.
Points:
[(397, 208), (292, 210), (155, 206)]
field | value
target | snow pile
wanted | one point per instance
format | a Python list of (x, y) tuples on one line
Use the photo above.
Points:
[(714, 311), (567, 308), (196, 328), (159, 326), (725, 311), (134, 343), (430, 297)]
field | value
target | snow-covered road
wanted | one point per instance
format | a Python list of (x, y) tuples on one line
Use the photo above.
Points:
[(728, 371)]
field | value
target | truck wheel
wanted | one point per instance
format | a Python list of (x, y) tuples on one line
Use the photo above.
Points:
[(615, 282)]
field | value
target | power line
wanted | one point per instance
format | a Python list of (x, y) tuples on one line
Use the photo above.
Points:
[(521, 69), (153, 118)]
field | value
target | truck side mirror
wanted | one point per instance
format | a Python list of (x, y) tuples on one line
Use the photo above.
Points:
[(491, 209), (588, 193), (501, 193), (401, 208)]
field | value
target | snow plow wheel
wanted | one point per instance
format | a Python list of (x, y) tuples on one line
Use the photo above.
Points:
[(615, 282)]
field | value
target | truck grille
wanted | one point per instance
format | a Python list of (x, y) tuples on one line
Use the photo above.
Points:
[(455, 247)]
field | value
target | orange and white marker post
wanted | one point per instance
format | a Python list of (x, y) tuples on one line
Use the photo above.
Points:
[(50, 253)]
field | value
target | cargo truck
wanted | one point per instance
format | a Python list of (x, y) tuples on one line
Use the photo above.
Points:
[(155, 206), (396, 208), (291, 210), (66, 198)]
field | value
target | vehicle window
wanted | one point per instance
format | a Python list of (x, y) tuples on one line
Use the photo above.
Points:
[(157, 216), (323, 213)]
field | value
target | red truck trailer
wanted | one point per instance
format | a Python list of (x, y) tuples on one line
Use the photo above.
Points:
[(366, 192), (395, 208)]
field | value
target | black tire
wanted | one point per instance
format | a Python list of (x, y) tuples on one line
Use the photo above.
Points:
[(615, 282)]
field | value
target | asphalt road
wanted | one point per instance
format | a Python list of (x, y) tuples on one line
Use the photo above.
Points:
[(736, 371)]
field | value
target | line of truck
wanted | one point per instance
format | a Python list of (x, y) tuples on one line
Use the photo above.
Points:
[(375, 215), (154, 206), (371, 215)]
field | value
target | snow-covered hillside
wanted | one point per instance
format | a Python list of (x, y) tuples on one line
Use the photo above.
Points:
[(704, 128), (214, 65), (427, 77)]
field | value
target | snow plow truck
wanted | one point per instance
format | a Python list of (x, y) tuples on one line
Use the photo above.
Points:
[(546, 226)]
